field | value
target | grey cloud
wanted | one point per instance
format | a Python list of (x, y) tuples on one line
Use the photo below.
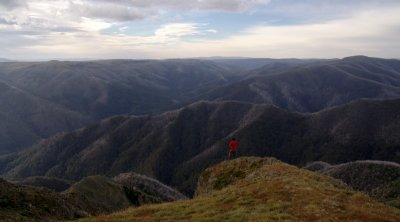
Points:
[(10, 4), (64, 29), (11, 34), (13, 40), (31, 26), (129, 10), (233, 5), (111, 11), (5, 21), (221, 5)]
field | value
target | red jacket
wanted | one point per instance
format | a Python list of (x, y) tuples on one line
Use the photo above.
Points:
[(233, 145)]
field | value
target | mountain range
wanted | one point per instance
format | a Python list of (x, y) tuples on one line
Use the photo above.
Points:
[(175, 147), (5, 60), (74, 129), (41, 99), (316, 85)]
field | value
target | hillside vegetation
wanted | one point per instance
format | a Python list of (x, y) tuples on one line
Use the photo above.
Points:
[(141, 189), (379, 179), (100, 193), (41, 99), (175, 147), (263, 189), (315, 86), (23, 203), (51, 183), (92, 195)]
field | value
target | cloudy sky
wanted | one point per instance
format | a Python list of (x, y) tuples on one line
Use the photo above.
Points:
[(101, 29)]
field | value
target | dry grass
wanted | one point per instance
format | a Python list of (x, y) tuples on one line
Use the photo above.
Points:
[(268, 191)]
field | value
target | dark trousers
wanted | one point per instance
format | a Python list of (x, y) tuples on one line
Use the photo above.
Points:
[(232, 154)]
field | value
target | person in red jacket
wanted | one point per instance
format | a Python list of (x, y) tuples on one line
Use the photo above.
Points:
[(233, 145)]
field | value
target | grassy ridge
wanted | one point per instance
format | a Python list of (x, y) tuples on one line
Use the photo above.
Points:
[(92, 195), (379, 179), (101, 193), (262, 189), (22, 203)]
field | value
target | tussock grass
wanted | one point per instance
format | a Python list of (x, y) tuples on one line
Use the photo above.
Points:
[(263, 189)]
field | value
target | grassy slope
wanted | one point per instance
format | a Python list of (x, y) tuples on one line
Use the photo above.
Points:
[(22, 203), (262, 189), (91, 196), (102, 194)]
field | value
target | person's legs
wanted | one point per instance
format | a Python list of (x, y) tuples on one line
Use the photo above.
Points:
[(232, 154)]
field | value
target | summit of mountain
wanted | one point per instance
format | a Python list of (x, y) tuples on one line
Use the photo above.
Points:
[(250, 64), (263, 189)]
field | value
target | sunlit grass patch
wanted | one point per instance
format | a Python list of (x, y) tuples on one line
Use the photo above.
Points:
[(262, 189)]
